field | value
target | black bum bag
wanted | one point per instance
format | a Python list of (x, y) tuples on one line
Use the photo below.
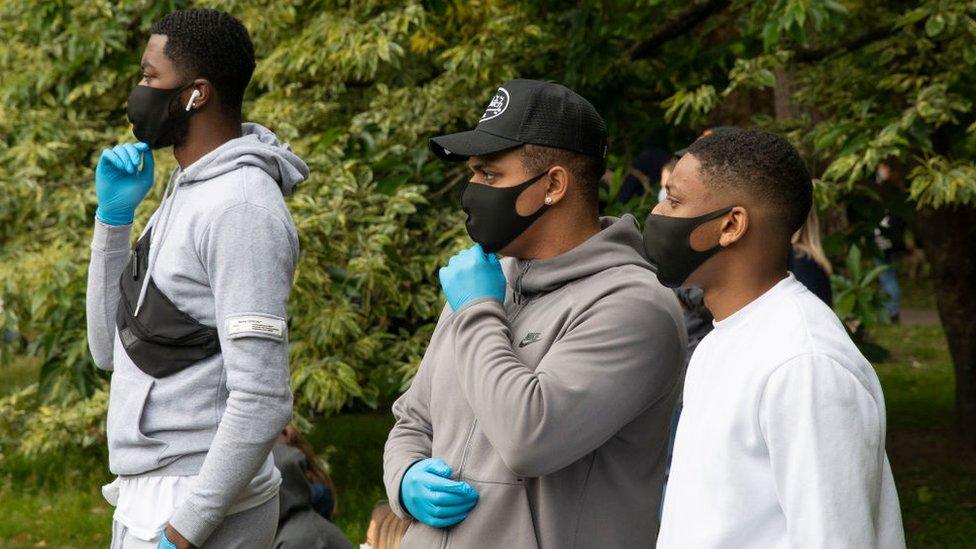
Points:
[(161, 340)]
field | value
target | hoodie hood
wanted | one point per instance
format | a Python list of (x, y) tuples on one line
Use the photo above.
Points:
[(618, 243), (258, 147)]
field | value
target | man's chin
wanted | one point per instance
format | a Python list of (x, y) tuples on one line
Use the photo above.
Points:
[(510, 251), (516, 249), (692, 283)]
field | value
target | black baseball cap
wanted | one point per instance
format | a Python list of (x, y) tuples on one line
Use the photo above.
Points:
[(529, 112), (717, 130)]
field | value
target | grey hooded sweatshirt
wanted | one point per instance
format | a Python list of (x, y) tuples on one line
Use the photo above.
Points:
[(554, 406), (224, 251)]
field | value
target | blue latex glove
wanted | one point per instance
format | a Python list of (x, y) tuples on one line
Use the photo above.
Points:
[(120, 184), (164, 542), (472, 274), (430, 495)]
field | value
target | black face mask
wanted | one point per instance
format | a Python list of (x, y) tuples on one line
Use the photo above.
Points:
[(667, 241), (493, 220), (154, 119)]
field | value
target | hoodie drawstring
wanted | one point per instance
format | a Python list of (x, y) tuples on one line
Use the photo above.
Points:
[(159, 232)]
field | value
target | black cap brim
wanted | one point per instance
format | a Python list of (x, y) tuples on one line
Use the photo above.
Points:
[(463, 145)]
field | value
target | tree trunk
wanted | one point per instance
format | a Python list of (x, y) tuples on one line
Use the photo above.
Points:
[(949, 239), (783, 103)]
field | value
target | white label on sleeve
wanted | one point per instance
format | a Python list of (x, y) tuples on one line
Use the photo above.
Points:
[(256, 326)]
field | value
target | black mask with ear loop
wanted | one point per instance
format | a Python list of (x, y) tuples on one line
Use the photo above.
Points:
[(151, 112), (667, 241), (493, 220)]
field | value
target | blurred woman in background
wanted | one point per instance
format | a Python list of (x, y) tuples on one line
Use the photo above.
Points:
[(808, 263)]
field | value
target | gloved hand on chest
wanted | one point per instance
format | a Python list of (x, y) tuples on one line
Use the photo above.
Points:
[(470, 275)]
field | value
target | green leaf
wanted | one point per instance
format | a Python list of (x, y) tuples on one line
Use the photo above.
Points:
[(934, 25)]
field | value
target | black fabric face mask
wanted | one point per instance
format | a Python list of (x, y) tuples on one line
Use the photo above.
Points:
[(154, 119), (667, 241), (493, 220)]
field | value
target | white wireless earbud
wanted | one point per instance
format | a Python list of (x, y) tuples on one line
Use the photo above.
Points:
[(193, 97)]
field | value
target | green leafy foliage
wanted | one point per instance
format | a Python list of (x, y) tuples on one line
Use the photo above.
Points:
[(857, 300), (357, 87)]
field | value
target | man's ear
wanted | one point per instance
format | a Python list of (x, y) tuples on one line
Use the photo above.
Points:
[(734, 226), (198, 95), (558, 184)]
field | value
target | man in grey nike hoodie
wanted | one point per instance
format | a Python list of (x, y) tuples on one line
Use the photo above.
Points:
[(200, 378), (545, 395)]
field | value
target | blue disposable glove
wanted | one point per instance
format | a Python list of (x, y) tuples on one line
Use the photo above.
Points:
[(430, 495), (120, 184), (470, 275), (164, 542)]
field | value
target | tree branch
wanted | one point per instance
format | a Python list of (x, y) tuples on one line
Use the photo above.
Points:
[(858, 42), (677, 26)]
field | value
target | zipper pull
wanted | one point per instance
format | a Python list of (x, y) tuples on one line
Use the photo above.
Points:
[(135, 264)]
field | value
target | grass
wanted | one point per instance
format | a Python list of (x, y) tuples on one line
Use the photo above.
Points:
[(936, 476), (354, 446), (918, 293), (55, 502)]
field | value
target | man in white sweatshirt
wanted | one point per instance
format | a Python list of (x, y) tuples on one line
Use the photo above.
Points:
[(781, 440)]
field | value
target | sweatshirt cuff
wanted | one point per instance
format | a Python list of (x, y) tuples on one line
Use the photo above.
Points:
[(474, 302), (393, 492), (191, 524), (488, 305), (110, 238)]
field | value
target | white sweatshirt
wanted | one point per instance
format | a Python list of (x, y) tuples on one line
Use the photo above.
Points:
[(781, 440)]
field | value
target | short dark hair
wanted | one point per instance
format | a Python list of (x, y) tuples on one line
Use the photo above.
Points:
[(212, 44), (585, 169), (761, 164)]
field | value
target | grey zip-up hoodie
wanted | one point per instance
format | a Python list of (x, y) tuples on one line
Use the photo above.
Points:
[(224, 251), (555, 406)]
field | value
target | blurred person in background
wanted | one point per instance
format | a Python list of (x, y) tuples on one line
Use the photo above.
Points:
[(307, 497), (385, 529), (808, 262)]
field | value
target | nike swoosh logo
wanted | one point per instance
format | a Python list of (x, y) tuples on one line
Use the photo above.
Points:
[(530, 338)]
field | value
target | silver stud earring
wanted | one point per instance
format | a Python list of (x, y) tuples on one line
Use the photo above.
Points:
[(548, 201)]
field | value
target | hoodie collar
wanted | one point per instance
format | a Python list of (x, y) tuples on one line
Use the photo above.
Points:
[(258, 147), (618, 243)]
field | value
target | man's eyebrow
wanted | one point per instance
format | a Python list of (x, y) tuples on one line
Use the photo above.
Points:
[(481, 164), (147, 65), (670, 184)]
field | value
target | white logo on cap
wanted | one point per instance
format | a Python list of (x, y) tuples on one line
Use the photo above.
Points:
[(497, 105)]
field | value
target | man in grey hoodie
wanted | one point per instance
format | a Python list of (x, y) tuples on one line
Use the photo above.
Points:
[(539, 415), (192, 323)]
